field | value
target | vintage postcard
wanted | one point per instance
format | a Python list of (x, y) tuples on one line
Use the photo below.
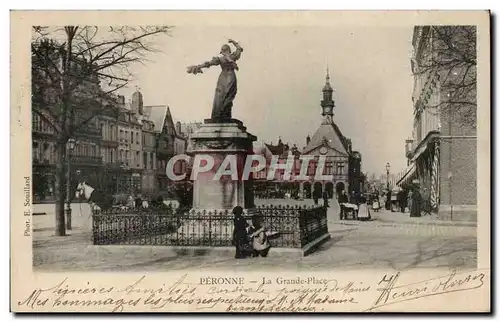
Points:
[(278, 161)]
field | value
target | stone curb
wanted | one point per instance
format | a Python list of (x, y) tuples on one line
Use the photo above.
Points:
[(76, 235), (392, 223)]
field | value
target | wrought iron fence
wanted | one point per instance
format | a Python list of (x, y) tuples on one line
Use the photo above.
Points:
[(295, 226), (313, 224)]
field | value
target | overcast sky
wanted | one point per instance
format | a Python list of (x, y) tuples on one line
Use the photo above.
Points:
[(282, 72)]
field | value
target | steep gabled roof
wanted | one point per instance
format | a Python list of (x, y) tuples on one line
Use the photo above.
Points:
[(276, 149), (189, 128), (156, 114), (169, 122), (262, 149), (345, 141), (328, 134)]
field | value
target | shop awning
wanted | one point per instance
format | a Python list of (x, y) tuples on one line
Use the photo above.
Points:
[(408, 176)]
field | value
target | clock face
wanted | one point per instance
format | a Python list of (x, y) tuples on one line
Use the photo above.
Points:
[(323, 150)]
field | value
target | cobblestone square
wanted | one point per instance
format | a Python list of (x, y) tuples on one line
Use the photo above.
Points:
[(389, 240)]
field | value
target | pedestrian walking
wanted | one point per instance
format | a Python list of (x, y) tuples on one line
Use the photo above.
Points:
[(354, 198), (409, 199), (416, 203), (402, 200), (342, 200), (388, 200), (315, 197), (325, 199)]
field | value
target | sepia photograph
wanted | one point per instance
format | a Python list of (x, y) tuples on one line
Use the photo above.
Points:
[(172, 147)]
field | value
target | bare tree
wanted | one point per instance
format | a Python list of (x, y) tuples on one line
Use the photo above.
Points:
[(75, 72), (451, 55)]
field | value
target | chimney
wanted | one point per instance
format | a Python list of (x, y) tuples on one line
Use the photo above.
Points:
[(121, 100), (178, 128), (349, 145), (137, 104), (308, 139)]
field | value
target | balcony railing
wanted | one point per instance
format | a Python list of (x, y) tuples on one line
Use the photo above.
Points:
[(86, 160), (116, 165), (41, 161), (89, 130), (109, 143), (166, 151)]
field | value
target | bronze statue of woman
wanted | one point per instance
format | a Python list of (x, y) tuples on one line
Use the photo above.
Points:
[(226, 89)]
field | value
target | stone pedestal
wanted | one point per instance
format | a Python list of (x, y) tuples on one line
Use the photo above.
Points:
[(218, 140)]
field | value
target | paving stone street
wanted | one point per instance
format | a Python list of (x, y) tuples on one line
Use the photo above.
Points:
[(389, 240)]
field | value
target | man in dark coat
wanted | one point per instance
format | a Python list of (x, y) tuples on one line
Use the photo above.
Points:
[(354, 198), (325, 198), (315, 197), (388, 200), (402, 200)]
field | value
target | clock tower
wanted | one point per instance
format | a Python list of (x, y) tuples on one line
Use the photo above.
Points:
[(327, 104), (330, 144)]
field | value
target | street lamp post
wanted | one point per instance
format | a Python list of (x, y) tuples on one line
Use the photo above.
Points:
[(387, 168), (69, 150)]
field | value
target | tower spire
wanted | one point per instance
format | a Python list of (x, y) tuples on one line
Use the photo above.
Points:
[(327, 104)]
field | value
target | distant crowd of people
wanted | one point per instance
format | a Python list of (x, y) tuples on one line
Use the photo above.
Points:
[(406, 198), (277, 194), (182, 196), (136, 201)]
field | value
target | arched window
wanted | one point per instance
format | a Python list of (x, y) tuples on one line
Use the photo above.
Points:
[(46, 151), (54, 154), (36, 122), (35, 151)]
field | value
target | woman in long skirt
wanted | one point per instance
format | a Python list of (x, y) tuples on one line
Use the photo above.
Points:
[(240, 234)]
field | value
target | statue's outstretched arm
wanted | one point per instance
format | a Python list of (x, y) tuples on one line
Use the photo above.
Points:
[(237, 53), (197, 69)]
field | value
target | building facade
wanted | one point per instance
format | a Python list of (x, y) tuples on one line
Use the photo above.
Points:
[(109, 148), (148, 157), (328, 143), (130, 152), (442, 155), (85, 158), (43, 154), (121, 151)]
